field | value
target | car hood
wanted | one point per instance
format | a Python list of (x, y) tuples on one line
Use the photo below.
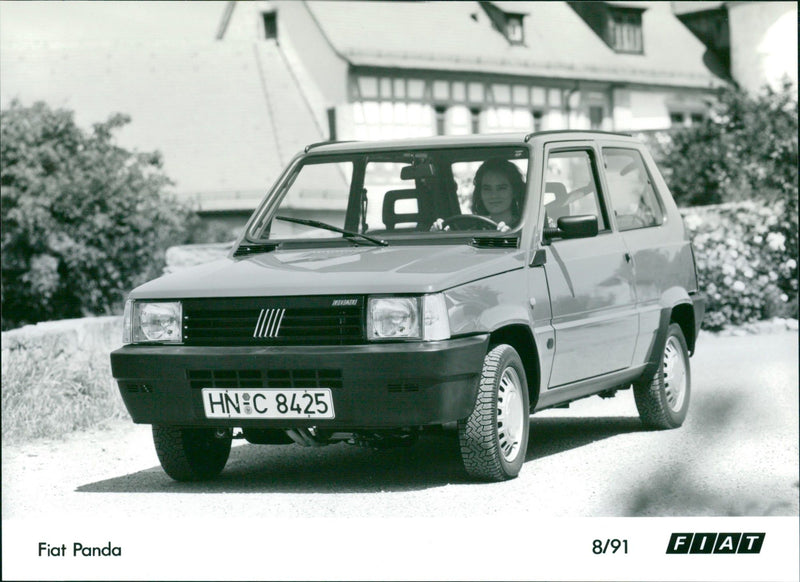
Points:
[(357, 270)]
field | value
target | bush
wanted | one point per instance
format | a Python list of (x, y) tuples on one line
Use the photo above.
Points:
[(83, 220), (744, 265), (747, 150)]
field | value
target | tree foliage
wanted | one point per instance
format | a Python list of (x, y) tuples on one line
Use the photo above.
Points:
[(83, 220), (747, 150)]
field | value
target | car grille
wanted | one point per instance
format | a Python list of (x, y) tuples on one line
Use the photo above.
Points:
[(272, 378), (320, 320)]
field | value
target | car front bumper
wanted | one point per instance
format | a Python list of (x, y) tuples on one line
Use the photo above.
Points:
[(388, 385)]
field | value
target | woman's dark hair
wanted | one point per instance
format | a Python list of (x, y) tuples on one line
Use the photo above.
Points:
[(514, 177)]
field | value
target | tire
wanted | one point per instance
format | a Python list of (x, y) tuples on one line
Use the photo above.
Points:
[(494, 437), (191, 454), (663, 400)]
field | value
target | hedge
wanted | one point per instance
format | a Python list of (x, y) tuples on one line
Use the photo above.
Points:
[(746, 269)]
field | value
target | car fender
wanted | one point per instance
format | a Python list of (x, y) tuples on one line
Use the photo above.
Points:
[(670, 299), (488, 304)]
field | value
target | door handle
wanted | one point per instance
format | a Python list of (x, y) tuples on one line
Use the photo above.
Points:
[(628, 258)]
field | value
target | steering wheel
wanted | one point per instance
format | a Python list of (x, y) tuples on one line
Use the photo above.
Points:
[(483, 223)]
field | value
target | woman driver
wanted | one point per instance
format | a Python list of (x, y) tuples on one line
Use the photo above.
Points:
[(498, 194)]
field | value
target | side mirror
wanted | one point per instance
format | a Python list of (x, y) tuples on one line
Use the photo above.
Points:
[(582, 226)]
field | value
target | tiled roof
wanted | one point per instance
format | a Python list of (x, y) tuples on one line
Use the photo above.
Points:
[(458, 36), (226, 115)]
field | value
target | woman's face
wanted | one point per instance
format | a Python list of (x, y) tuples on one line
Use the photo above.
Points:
[(496, 193)]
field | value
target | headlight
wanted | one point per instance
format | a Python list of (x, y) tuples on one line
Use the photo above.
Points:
[(393, 318), (154, 322), (399, 318)]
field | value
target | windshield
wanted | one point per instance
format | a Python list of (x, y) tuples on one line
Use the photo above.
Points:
[(399, 195)]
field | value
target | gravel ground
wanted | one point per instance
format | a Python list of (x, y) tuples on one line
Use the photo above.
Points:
[(737, 454)]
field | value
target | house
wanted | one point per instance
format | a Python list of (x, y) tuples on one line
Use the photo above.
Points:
[(230, 104), (391, 69), (756, 41)]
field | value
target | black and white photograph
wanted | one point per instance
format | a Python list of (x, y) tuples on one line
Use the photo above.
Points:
[(399, 290)]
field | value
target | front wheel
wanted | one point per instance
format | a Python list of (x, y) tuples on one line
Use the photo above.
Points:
[(192, 454), (494, 437), (663, 400)]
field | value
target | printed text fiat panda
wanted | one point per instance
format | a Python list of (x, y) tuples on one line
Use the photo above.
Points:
[(385, 288)]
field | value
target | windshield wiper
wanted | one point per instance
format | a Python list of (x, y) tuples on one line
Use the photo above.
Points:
[(347, 233)]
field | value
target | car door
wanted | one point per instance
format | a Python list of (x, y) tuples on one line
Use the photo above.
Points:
[(590, 279), (640, 218)]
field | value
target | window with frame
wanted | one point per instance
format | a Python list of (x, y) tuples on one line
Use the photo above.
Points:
[(625, 30), (677, 119), (630, 188), (683, 118), (270, 25), (514, 30), (571, 188)]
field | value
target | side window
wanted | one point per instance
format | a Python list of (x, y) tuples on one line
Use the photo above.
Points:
[(633, 197), (571, 188)]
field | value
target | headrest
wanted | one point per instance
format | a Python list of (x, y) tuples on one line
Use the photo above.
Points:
[(556, 188), (390, 217)]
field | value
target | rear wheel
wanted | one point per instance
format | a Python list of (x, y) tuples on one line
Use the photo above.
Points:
[(192, 454), (494, 437), (663, 400)]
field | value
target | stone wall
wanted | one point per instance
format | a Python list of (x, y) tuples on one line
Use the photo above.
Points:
[(84, 334)]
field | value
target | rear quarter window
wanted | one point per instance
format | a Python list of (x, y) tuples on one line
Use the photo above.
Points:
[(633, 198)]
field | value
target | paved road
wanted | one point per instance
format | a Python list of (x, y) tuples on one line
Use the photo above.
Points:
[(737, 454)]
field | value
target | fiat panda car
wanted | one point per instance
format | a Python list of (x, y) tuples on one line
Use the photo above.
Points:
[(383, 288)]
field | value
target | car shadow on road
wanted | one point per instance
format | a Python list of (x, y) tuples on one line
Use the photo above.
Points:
[(550, 436), (434, 461)]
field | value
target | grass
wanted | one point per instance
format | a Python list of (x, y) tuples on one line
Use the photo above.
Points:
[(50, 388)]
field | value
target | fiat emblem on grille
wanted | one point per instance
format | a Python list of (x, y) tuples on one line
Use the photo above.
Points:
[(269, 323)]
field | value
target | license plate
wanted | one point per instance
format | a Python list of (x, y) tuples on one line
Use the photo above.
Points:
[(268, 403)]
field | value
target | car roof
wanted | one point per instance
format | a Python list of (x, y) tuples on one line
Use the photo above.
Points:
[(486, 139)]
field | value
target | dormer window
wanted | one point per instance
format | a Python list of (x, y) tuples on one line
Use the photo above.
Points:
[(509, 24), (620, 27), (270, 25), (625, 30), (514, 31)]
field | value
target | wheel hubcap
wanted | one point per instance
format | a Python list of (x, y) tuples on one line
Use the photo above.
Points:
[(510, 416), (674, 375)]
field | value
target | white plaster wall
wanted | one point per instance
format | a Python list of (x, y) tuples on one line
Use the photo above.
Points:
[(637, 110), (763, 43)]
